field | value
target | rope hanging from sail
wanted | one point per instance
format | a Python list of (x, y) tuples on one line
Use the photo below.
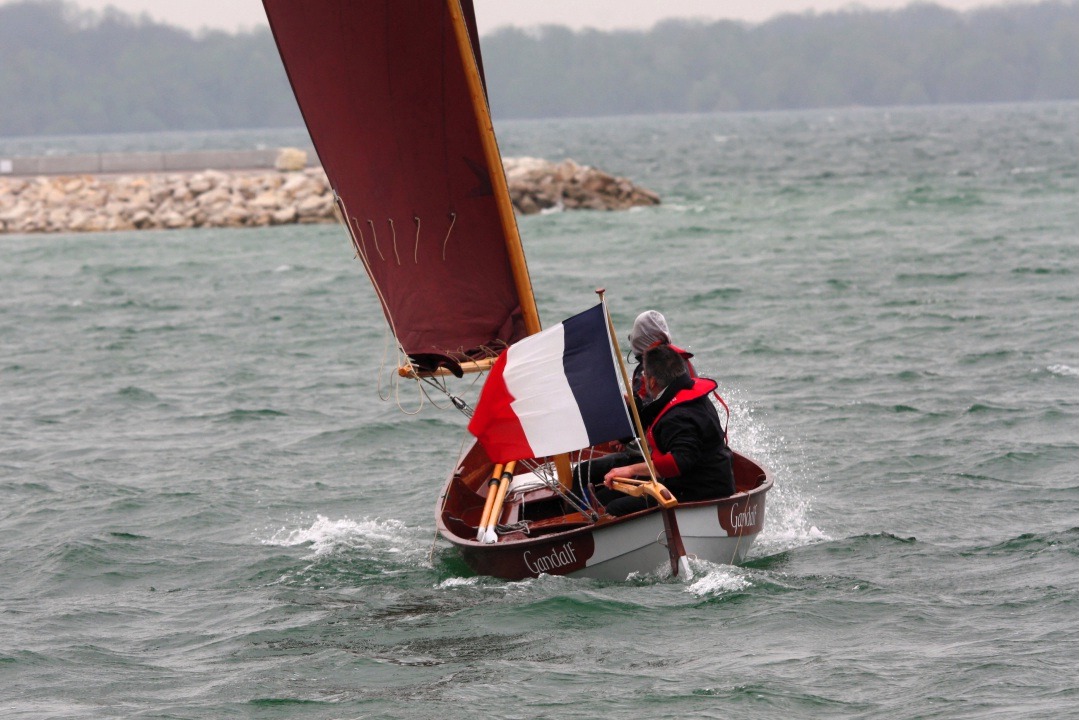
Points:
[(416, 249), (374, 236), (393, 234), (453, 221)]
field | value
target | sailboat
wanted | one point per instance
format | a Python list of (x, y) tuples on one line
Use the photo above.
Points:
[(394, 98)]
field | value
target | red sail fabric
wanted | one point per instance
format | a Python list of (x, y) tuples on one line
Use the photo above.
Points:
[(382, 88)]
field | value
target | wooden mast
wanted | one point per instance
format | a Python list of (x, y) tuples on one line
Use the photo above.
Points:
[(510, 233), (494, 168)]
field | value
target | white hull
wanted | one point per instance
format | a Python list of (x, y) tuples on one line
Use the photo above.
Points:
[(641, 546)]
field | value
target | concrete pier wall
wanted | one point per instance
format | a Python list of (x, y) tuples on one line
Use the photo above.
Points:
[(142, 162)]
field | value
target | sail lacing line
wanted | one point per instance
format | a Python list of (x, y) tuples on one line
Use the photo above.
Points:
[(416, 250), (374, 235), (393, 232), (357, 238), (453, 220), (355, 231)]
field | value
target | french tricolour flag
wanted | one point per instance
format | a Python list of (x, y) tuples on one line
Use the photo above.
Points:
[(553, 392)]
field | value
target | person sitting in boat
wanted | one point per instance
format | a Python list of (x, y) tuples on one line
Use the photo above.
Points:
[(687, 440), (649, 329)]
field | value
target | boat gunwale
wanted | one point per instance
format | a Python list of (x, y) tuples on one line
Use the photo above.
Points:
[(761, 489)]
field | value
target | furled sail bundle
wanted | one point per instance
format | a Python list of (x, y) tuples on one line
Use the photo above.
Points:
[(391, 92)]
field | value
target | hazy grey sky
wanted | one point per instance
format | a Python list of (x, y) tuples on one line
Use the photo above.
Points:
[(491, 14)]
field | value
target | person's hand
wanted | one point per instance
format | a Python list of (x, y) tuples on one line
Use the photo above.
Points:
[(611, 475), (617, 446)]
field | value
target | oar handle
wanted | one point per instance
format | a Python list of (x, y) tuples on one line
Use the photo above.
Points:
[(489, 534), (492, 490), (638, 488)]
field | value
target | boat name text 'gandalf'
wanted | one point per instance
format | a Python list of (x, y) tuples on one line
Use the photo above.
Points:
[(559, 557)]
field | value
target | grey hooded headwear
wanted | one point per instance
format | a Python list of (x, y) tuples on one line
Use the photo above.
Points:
[(649, 328)]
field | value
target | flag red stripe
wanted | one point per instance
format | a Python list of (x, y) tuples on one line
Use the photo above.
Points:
[(495, 423)]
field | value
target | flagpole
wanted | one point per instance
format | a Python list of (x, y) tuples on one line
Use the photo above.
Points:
[(643, 439), (675, 548)]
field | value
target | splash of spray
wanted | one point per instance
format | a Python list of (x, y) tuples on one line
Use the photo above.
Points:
[(789, 504)]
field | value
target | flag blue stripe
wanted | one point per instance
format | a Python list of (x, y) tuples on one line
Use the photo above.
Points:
[(590, 370)]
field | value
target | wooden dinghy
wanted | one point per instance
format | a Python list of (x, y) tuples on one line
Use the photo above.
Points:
[(540, 532), (393, 96)]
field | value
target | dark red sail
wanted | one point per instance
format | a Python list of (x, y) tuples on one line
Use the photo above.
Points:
[(383, 89)]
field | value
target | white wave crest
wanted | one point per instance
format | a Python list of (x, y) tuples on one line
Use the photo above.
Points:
[(686, 209), (456, 582), (716, 579), (1064, 370), (326, 536)]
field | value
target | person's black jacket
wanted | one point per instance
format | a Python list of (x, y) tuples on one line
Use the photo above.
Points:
[(689, 445)]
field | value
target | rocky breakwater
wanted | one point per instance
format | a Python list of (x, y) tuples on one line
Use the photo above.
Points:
[(536, 185), (95, 203)]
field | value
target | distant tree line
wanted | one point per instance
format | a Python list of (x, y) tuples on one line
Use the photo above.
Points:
[(923, 54), (67, 71), (63, 70)]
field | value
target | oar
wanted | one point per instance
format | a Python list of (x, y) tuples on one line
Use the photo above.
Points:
[(675, 548), (489, 534), (489, 503)]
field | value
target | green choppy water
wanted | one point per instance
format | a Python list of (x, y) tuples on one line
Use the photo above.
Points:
[(207, 512)]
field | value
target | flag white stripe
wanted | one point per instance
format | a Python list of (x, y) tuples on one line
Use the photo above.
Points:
[(543, 401)]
